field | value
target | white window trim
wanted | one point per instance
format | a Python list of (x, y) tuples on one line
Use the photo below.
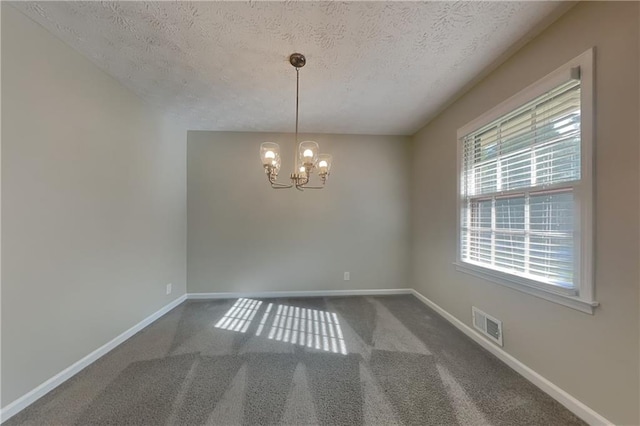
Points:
[(584, 300)]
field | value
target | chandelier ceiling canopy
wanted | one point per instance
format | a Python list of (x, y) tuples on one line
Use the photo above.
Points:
[(306, 159)]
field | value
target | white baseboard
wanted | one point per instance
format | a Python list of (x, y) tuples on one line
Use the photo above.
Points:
[(574, 405), (321, 293), (29, 398)]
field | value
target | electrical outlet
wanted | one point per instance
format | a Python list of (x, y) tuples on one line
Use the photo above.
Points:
[(347, 276), (169, 288)]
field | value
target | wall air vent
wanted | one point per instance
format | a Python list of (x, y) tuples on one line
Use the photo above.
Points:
[(488, 325)]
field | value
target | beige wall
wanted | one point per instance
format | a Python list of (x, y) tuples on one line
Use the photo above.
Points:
[(593, 357), (93, 208), (246, 237)]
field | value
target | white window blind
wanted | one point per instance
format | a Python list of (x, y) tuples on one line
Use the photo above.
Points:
[(518, 181)]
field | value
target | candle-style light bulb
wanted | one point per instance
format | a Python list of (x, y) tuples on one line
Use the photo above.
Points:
[(269, 152), (324, 164), (308, 153)]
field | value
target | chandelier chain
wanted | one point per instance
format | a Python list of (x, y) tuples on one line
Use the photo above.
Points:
[(295, 162)]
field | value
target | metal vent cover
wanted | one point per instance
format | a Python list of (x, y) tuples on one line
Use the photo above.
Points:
[(493, 329), (487, 325)]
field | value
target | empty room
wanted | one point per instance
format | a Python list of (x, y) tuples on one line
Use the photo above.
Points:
[(320, 213)]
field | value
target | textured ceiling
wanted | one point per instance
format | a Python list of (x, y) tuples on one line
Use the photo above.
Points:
[(372, 67)]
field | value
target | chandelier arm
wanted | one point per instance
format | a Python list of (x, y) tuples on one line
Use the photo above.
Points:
[(276, 185), (308, 179)]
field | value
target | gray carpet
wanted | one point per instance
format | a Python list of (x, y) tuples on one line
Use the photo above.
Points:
[(332, 361)]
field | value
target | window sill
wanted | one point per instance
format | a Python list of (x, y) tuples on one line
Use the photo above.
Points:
[(497, 277)]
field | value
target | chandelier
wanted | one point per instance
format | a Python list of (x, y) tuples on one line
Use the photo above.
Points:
[(306, 159)]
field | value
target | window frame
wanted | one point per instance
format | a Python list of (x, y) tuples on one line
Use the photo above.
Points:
[(582, 297)]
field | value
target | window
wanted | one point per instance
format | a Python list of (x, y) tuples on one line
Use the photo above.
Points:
[(525, 189)]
